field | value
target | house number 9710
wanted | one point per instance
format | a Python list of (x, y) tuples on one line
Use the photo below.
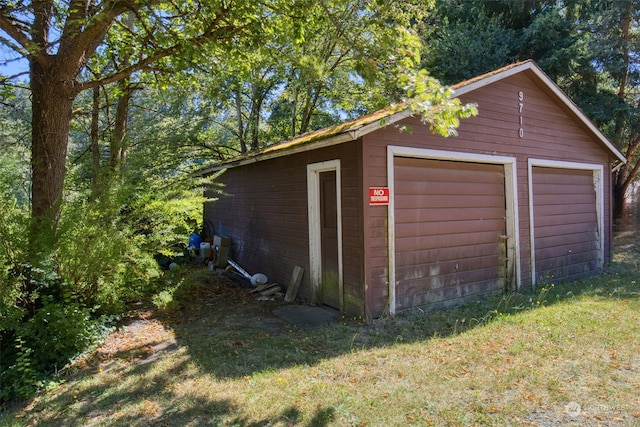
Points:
[(520, 107)]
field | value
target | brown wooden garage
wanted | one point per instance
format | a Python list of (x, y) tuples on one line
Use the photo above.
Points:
[(521, 195)]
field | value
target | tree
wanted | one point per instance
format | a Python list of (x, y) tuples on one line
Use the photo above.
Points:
[(484, 35), (612, 30), (335, 66), (59, 38)]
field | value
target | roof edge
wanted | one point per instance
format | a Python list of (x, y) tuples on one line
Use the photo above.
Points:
[(300, 148), (354, 129)]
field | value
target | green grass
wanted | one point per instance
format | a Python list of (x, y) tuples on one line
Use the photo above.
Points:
[(522, 359)]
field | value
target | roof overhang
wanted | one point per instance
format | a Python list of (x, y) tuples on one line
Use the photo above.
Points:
[(334, 135), (354, 129)]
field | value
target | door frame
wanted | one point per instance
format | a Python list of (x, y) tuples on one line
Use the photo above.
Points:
[(510, 192), (315, 236), (598, 186)]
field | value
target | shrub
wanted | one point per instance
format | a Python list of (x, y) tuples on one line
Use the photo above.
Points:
[(55, 305)]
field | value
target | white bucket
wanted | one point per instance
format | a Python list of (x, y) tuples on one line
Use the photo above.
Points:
[(205, 250)]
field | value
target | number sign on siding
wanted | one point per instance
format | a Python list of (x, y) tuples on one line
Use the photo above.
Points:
[(520, 108)]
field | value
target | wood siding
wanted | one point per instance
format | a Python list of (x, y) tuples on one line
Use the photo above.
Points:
[(449, 223), (566, 224), (549, 131), (264, 212)]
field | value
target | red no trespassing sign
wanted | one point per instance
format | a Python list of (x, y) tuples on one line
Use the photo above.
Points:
[(378, 195)]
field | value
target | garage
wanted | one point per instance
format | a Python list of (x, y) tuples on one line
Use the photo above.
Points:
[(566, 220), (383, 216)]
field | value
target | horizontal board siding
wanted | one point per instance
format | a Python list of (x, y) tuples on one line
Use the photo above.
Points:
[(550, 219), (565, 220), (479, 278), (264, 212), (475, 260), (445, 254)]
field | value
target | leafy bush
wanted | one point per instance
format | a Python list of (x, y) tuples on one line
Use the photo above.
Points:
[(56, 305), (45, 343), (100, 257)]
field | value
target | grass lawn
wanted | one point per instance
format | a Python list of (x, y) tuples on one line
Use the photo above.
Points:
[(567, 354)]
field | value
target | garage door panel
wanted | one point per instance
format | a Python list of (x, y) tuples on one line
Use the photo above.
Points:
[(569, 271), (452, 294), (579, 218), (568, 177), (558, 256), (417, 285), (564, 189), (445, 188), (421, 201), (565, 222), (448, 213), (543, 210), (444, 254), (442, 268), (413, 169), (564, 200), (584, 228), (449, 226), (569, 242), (461, 240), (432, 228)]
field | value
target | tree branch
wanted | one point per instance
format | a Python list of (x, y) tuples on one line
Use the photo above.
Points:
[(630, 177), (29, 48), (77, 14), (213, 31), (127, 71), (5, 81), (84, 43)]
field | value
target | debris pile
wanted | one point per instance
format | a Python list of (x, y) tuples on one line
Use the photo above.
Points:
[(259, 284), (215, 254)]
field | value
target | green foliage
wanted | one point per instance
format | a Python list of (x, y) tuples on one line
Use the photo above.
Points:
[(458, 50), (13, 244), (14, 146), (19, 379), (435, 104), (99, 257), (47, 327)]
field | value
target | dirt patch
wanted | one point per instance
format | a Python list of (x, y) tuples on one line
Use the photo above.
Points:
[(217, 306)]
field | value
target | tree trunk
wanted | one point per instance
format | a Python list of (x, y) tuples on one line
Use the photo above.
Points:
[(618, 199), (257, 96), (95, 142), (118, 144), (241, 132), (52, 101)]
